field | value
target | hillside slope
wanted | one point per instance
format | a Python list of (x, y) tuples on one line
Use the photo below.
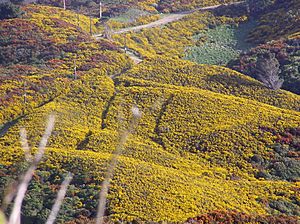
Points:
[(208, 138), (187, 138)]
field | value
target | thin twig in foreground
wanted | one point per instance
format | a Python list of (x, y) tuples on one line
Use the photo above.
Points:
[(25, 145), (59, 199), (15, 217), (110, 171)]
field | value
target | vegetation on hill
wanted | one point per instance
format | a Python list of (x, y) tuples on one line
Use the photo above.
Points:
[(280, 20), (9, 10), (202, 149), (209, 141), (219, 45), (38, 58), (132, 17), (278, 33), (286, 52), (172, 39), (181, 5), (283, 163), (157, 164), (228, 217), (161, 71), (115, 7)]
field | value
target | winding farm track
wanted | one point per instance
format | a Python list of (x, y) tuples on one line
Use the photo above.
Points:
[(167, 19), (163, 21)]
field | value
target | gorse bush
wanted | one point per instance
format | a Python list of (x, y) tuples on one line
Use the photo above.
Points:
[(192, 150), (206, 148), (228, 217), (47, 46), (162, 72)]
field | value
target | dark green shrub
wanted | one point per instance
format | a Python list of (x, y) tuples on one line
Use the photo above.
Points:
[(9, 10)]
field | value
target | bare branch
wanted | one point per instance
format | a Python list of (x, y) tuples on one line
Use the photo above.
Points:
[(110, 171), (25, 145), (59, 199), (15, 217)]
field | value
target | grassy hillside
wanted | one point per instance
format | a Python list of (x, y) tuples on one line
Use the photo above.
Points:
[(220, 44), (209, 138)]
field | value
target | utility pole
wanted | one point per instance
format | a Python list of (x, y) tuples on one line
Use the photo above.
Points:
[(100, 10), (75, 70), (24, 91), (64, 1), (125, 43), (248, 7), (107, 32), (91, 25), (78, 20)]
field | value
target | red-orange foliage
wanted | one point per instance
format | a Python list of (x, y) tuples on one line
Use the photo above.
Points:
[(230, 217)]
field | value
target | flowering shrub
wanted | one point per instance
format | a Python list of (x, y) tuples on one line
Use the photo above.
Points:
[(204, 146), (191, 151), (283, 161), (282, 21), (161, 71), (51, 53), (228, 217)]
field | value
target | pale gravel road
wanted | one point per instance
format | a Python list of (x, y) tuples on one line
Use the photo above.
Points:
[(167, 19)]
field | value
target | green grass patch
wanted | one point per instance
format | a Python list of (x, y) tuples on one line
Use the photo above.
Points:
[(130, 16), (219, 45)]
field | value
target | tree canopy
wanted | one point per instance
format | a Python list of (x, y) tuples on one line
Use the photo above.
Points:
[(9, 10)]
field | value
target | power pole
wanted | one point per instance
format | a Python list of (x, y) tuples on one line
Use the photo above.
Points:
[(125, 43), (75, 70), (90, 25), (78, 20), (24, 91), (64, 1), (107, 32), (100, 10)]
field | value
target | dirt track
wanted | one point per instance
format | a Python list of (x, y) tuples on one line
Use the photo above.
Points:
[(167, 19)]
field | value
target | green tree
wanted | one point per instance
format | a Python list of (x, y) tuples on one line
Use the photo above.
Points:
[(256, 6), (9, 10), (291, 74)]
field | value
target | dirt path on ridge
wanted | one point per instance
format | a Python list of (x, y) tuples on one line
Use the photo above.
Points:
[(167, 19)]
